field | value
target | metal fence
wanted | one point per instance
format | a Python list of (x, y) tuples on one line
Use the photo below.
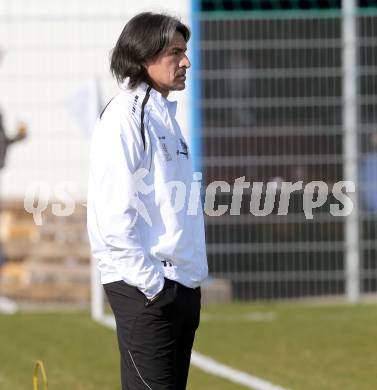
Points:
[(288, 98)]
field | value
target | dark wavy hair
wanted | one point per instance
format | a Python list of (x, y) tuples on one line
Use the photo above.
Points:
[(143, 37)]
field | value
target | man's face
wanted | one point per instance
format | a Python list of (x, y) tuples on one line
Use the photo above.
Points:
[(167, 70)]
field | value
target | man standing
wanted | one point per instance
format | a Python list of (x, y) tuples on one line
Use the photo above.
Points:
[(151, 252)]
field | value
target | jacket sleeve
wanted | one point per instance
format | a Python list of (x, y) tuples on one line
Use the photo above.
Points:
[(117, 152)]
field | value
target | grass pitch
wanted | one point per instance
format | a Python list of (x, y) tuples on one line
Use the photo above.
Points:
[(296, 346)]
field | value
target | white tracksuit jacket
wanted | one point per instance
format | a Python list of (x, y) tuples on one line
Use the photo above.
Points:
[(139, 229)]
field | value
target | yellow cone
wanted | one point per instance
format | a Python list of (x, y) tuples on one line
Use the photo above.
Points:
[(39, 367)]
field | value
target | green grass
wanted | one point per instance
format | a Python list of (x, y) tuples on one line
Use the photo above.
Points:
[(305, 347), (296, 346)]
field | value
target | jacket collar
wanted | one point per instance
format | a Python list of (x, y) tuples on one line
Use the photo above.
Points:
[(157, 97)]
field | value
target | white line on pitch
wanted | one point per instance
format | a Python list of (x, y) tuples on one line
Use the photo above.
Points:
[(213, 367)]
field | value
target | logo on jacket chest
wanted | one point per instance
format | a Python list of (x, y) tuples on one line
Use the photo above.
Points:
[(184, 148), (164, 148)]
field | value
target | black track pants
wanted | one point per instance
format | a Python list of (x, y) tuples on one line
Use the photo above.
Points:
[(155, 341)]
